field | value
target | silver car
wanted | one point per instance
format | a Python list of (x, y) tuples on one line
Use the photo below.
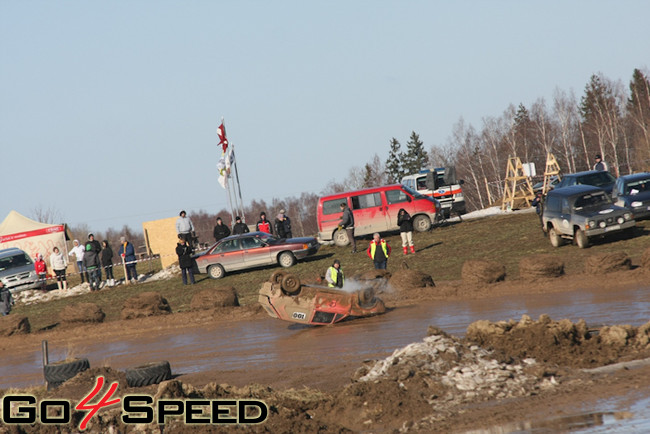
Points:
[(17, 270), (581, 212)]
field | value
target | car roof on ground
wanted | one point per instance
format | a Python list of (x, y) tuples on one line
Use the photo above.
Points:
[(575, 190)]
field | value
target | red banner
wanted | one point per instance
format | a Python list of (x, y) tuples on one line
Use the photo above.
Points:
[(28, 234)]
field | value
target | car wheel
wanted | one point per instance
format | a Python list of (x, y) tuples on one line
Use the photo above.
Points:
[(59, 372), (366, 297), (277, 276), (291, 284), (421, 223), (556, 239), (216, 271), (581, 239), (151, 373), (341, 238), (286, 259)]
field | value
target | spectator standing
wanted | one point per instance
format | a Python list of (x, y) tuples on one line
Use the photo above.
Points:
[(41, 271), (379, 251), (185, 261), (538, 203), (263, 225), (334, 275), (347, 223), (220, 230), (127, 253), (78, 252), (184, 226), (6, 300), (600, 164), (405, 230), (286, 224), (59, 263), (107, 262), (92, 264), (96, 248), (239, 228)]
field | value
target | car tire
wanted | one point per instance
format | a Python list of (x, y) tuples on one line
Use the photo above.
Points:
[(216, 271), (582, 240), (341, 238), (277, 276), (421, 223), (291, 284), (58, 373), (286, 259), (366, 297), (555, 238), (151, 373)]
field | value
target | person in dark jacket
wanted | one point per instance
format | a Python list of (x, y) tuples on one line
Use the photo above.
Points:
[(185, 261), (405, 224), (347, 223), (263, 225), (379, 251), (92, 264), (283, 225), (239, 228), (6, 300), (220, 230), (97, 248), (107, 262), (127, 253)]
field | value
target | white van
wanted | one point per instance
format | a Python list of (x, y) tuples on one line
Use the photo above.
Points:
[(441, 184)]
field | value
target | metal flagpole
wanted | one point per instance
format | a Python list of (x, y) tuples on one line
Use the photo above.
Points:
[(238, 192)]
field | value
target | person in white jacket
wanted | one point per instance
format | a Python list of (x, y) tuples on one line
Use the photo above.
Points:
[(78, 252), (184, 227), (59, 263)]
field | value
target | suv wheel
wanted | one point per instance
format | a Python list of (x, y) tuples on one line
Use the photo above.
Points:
[(556, 239), (581, 239)]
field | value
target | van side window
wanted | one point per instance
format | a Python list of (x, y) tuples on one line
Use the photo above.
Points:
[(553, 203), (333, 206), (395, 196), (366, 201), (565, 206), (422, 183)]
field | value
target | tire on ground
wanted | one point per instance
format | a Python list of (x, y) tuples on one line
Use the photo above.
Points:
[(291, 284), (277, 276), (151, 373), (59, 372)]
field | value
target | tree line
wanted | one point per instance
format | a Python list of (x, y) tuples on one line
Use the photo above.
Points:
[(610, 119)]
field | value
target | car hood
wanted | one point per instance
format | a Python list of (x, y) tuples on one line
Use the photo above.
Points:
[(612, 210)]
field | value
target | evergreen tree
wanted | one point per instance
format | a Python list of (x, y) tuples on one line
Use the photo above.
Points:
[(394, 171), (416, 158), (638, 109)]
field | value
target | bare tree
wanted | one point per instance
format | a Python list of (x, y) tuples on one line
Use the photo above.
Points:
[(565, 111), (48, 215)]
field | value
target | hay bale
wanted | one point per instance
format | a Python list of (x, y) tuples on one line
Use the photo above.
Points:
[(405, 280), (532, 267), (14, 325), (145, 304), (601, 263), (82, 313), (212, 298), (479, 271), (645, 259)]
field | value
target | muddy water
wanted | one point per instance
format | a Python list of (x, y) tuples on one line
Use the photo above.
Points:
[(253, 345)]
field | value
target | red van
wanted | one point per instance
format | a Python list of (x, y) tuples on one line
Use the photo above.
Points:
[(375, 210)]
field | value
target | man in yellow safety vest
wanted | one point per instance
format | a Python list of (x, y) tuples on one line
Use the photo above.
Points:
[(334, 275), (379, 255)]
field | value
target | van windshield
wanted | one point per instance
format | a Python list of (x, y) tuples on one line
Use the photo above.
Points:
[(415, 194), (14, 261)]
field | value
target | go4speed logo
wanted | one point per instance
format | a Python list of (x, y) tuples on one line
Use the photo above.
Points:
[(142, 409)]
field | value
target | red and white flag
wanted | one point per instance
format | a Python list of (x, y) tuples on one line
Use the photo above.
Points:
[(223, 141)]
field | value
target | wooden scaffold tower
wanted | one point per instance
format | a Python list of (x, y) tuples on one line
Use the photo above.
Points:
[(518, 191), (552, 169)]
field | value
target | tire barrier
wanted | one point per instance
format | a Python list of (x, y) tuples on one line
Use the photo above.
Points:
[(60, 372), (151, 373)]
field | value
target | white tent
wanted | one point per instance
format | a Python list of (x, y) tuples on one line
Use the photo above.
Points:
[(31, 236)]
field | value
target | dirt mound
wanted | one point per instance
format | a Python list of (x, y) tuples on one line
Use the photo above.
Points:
[(145, 304), (81, 384), (600, 263), (14, 325), (533, 267), (405, 280), (217, 297), (479, 271), (560, 342), (82, 313), (645, 259)]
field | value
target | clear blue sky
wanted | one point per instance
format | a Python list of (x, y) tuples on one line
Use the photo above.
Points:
[(109, 109)]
